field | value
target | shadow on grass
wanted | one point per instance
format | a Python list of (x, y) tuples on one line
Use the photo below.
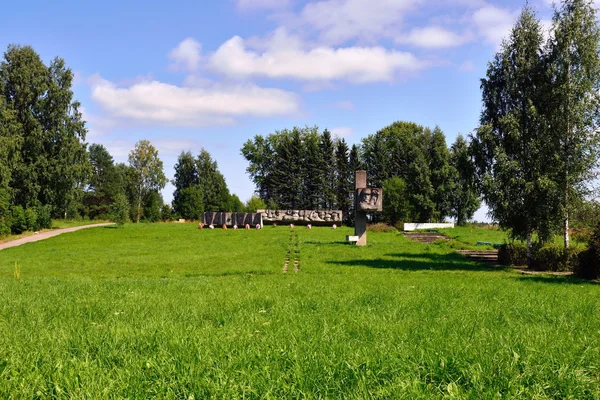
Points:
[(422, 262), (556, 280), (328, 242)]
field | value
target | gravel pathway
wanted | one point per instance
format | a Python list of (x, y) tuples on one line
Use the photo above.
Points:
[(46, 235)]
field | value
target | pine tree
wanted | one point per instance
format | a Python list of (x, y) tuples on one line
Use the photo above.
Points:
[(327, 150), (188, 200), (212, 184), (344, 178), (312, 187)]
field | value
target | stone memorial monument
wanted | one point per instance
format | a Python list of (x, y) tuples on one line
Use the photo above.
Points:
[(365, 200), (302, 217)]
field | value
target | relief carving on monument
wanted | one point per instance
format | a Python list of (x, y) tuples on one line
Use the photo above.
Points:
[(370, 199), (302, 217)]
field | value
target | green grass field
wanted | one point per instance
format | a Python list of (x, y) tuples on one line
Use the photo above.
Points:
[(169, 311)]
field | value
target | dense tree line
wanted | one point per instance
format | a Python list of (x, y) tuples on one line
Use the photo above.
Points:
[(537, 145), (200, 187), (423, 180), (303, 168)]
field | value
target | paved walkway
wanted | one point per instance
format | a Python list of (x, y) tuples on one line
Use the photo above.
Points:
[(46, 235)]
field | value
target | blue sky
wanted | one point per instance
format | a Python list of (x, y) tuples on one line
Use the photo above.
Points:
[(189, 74)]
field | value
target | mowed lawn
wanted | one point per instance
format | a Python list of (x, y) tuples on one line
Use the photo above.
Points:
[(169, 311)]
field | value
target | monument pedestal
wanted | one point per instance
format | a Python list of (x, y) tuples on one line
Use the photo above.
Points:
[(365, 200)]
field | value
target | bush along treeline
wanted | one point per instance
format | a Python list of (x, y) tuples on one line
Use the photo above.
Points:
[(537, 145), (423, 180)]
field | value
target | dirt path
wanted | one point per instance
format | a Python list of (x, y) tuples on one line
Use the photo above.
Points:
[(46, 235)]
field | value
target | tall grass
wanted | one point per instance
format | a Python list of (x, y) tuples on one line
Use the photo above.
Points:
[(170, 311)]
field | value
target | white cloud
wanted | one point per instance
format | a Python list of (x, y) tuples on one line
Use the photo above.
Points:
[(162, 103), (186, 56), (342, 132), (340, 20), (174, 146), (434, 37), (354, 64), (263, 4), (494, 23)]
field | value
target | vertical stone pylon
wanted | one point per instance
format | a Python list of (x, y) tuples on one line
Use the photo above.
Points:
[(360, 216)]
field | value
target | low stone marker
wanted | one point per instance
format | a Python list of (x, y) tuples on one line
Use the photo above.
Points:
[(415, 227)]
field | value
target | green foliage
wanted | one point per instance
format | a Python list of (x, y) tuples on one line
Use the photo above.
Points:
[(512, 254), (553, 257), (147, 177), (166, 213), (44, 216), (464, 201), (31, 220), (327, 148), (538, 143), (442, 177), (396, 207), (166, 316), (409, 151), (344, 178), (235, 204), (254, 204), (152, 207), (119, 210), (215, 194), (573, 62), (189, 203), (589, 260), (51, 151), (18, 223), (105, 182), (4, 213), (511, 145), (301, 169), (186, 177)]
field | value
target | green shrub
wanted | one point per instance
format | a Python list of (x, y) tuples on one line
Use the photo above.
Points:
[(381, 227), (119, 210), (152, 207), (31, 219), (166, 213), (44, 217), (589, 260), (553, 257), (512, 254), (18, 223)]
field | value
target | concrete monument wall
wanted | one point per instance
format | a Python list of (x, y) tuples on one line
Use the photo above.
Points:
[(231, 219), (302, 217)]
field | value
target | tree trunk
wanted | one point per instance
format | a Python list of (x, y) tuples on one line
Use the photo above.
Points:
[(566, 227), (529, 255), (139, 208)]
